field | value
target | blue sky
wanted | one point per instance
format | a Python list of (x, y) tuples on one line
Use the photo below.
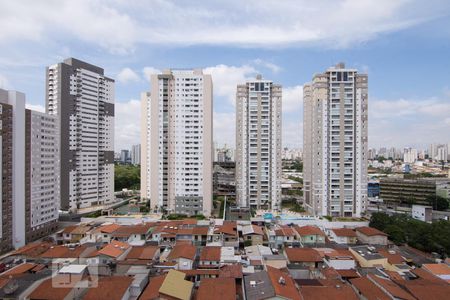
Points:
[(404, 45)]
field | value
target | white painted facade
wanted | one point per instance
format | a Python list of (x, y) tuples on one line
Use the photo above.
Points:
[(176, 142), (335, 143), (44, 169), (258, 144)]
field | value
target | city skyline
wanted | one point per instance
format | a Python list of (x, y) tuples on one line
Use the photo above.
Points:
[(392, 54)]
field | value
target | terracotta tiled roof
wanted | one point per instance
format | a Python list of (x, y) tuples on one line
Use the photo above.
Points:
[(185, 231), (229, 228), (215, 272), (368, 289), (437, 269), (217, 288), (308, 230), (349, 273), (47, 291), (184, 251), (81, 229), (284, 231), (302, 255), (200, 230), (393, 258), (423, 274), (210, 253), (231, 271), (152, 290), (283, 284), (126, 231), (142, 252), (33, 249), (390, 287), (344, 232), (370, 231), (114, 249), (112, 288), (69, 229), (19, 269), (189, 222), (62, 251), (335, 292), (109, 228), (425, 290)]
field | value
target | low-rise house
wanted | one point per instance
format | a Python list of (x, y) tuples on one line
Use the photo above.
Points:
[(183, 256), (228, 256), (270, 284), (440, 270), (217, 288), (306, 257), (390, 288), (175, 286), (210, 257), (282, 236), (257, 252), (340, 259), (369, 257), (337, 290), (343, 235), (371, 236), (135, 235), (111, 287), (102, 233), (47, 289), (366, 289), (252, 234), (225, 234), (310, 235), (143, 254), (277, 261), (151, 291), (200, 235), (109, 253)]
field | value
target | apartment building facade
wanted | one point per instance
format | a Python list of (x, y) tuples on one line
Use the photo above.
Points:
[(335, 148), (176, 142), (258, 144), (82, 98), (41, 174)]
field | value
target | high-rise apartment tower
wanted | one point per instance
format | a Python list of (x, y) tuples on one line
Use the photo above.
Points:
[(335, 142), (258, 144), (82, 98), (176, 142)]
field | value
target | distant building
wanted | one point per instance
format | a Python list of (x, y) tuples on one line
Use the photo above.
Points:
[(405, 192), (410, 155), (373, 189), (422, 213), (124, 156), (136, 154), (335, 145)]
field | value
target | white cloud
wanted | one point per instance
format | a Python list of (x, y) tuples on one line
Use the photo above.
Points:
[(226, 78), (4, 82), (127, 124), (224, 128), (292, 136), (268, 65), (292, 99), (149, 71), (120, 25), (36, 107), (127, 75)]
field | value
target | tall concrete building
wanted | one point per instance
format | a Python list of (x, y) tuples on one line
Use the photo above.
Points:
[(136, 154), (12, 195), (335, 142), (258, 144), (82, 98), (41, 174), (176, 142), (29, 164)]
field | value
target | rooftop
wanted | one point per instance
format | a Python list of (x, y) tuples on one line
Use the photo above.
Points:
[(344, 232), (302, 255), (175, 286), (184, 251), (111, 288), (370, 231), (217, 288)]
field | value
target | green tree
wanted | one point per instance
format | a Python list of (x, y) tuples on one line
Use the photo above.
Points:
[(438, 202), (127, 176)]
